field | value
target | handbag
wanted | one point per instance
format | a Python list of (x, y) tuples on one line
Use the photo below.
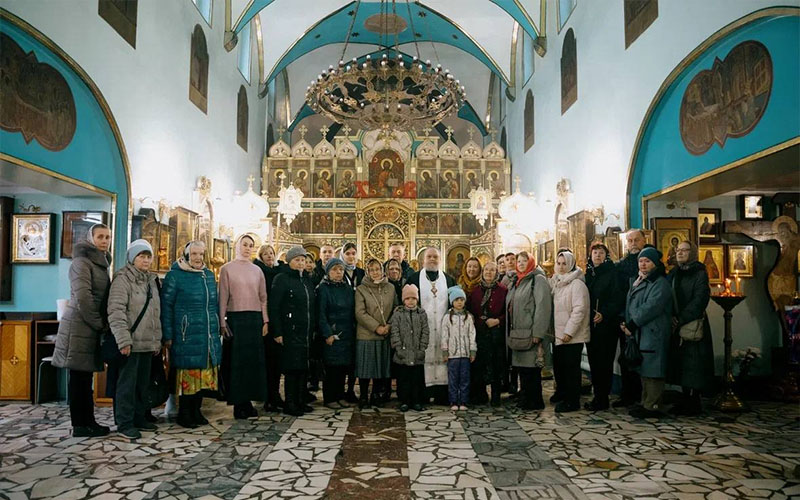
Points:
[(632, 356), (691, 331), (157, 391), (109, 350), (520, 340)]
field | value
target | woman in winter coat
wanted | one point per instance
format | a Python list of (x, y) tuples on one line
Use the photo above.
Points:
[(338, 330), (471, 275), (243, 321), (691, 363), (190, 324), (487, 303), (353, 276), (375, 301), (607, 301), (530, 308), (82, 326), (648, 321), (292, 309), (394, 275), (571, 323), (271, 267), (134, 315)]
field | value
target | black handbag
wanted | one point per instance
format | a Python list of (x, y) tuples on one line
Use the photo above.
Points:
[(632, 356), (158, 389)]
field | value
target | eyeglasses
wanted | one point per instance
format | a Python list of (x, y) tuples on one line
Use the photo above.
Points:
[(682, 250)]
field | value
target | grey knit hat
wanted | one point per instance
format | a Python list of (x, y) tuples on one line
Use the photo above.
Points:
[(136, 247), (293, 252)]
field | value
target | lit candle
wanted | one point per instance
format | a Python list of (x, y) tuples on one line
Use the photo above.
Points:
[(738, 283), (727, 286)]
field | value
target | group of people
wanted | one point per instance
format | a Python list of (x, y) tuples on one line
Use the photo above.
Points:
[(440, 338)]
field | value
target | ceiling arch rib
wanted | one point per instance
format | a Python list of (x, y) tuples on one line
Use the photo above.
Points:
[(332, 29), (528, 16)]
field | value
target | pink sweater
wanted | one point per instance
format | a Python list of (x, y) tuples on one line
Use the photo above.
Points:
[(241, 288)]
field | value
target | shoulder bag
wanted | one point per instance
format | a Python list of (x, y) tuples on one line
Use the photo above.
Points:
[(691, 331), (109, 350)]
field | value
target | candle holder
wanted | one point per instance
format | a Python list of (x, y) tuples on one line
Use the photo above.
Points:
[(728, 400)]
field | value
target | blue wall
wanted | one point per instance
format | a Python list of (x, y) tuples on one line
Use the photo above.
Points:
[(664, 161), (92, 157)]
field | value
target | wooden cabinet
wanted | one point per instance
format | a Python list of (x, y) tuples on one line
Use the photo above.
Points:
[(15, 360)]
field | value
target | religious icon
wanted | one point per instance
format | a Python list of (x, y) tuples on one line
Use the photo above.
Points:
[(345, 223), (449, 223), (448, 185), (456, 258), (275, 184), (495, 183), (740, 261), (301, 223), (322, 184), (322, 223), (426, 223), (670, 232), (427, 185), (347, 186), (713, 257), (386, 174), (752, 206), (32, 238), (471, 182), (708, 220), (301, 181), (469, 225), (198, 69)]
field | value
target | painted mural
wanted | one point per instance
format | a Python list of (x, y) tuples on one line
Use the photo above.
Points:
[(35, 98), (727, 100), (386, 176)]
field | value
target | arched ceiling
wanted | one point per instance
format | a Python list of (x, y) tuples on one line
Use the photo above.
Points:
[(472, 38)]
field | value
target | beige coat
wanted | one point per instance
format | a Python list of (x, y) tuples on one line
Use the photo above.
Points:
[(374, 305), (126, 299), (571, 308)]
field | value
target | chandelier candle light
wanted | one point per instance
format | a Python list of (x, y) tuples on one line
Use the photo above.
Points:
[(387, 92)]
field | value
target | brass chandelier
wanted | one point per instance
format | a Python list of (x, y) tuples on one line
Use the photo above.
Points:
[(386, 93)]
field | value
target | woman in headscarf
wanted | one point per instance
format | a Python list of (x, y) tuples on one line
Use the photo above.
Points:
[(190, 323), (607, 301), (470, 278), (530, 308), (272, 350), (487, 303), (353, 277), (134, 315), (375, 301), (83, 324), (243, 321), (571, 322), (394, 275), (338, 330), (648, 320), (691, 363)]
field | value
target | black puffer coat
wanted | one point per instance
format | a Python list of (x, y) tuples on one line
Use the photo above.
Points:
[(691, 363), (292, 312), (606, 297), (336, 307)]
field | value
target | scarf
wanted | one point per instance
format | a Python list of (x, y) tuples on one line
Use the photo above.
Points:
[(528, 270), (466, 283), (488, 288), (185, 266), (239, 248), (694, 256), (569, 257), (642, 277)]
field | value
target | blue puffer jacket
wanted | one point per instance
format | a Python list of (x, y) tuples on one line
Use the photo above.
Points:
[(189, 316)]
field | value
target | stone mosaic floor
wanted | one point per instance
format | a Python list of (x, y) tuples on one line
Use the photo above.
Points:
[(482, 453)]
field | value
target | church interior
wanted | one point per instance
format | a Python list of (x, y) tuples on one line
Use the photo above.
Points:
[(477, 127)]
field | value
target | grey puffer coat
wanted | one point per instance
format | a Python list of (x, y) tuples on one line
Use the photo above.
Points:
[(409, 335), (78, 341), (126, 300), (531, 306)]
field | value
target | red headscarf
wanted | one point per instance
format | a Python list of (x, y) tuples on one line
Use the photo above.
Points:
[(528, 269)]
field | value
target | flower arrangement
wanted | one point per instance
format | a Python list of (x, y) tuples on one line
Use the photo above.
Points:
[(745, 358)]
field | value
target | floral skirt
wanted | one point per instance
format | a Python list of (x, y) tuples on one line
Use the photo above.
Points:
[(193, 380)]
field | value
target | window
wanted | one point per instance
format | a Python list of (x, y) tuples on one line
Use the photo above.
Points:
[(242, 118), (528, 120), (527, 58), (198, 70), (121, 15), (204, 6), (569, 71), (245, 52), (565, 8)]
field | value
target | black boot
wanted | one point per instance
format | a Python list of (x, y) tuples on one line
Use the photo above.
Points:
[(496, 394), (198, 416), (186, 412)]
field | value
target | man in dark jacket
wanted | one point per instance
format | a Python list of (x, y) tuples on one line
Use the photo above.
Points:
[(628, 270), (397, 251), (326, 253), (607, 304), (291, 311)]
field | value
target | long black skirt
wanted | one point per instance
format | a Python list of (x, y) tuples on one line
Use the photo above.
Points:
[(243, 370)]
